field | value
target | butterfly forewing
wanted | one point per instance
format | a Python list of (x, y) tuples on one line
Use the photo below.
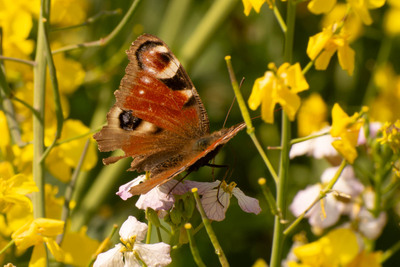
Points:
[(158, 118)]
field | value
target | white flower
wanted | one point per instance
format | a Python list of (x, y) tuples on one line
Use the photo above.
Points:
[(132, 252), (123, 191), (322, 217), (368, 225), (159, 198), (320, 147), (216, 201)]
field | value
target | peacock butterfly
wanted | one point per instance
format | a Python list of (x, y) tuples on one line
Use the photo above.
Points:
[(158, 118)]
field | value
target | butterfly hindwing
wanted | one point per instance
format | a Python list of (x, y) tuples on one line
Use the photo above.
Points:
[(158, 118)]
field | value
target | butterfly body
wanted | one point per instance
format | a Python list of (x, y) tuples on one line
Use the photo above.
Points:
[(158, 118)]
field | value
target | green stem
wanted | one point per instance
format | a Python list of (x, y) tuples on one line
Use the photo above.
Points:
[(247, 119), (149, 232), (56, 91), (279, 18), (108, 38), (39, 74), (101, 15), (69, 191), (278, 237), (206, 28), (302, 139), (269, 197), (8, 108), (193, 246), (322, 195), (12, 242), (207, 224), (390, 252), (19, 60)]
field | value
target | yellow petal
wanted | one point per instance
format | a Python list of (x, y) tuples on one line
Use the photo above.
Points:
[(343, 246), (346, 58), (318, 42), (321, 6), (49, 227), (340, 120), (295, 79), (259, 89), (345, 149), (55, 249), (78, 255), (38, 257), (312, 115), (289, 101), (323, 60)]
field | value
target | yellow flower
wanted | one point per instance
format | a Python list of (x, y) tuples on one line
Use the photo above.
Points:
[(347, 129), (278, 86), (385, 107), (352, 27), (321, 6), (4, 133), (391, 136), (70, 73), (67, 13), (312, 115), (338, 248), (391, 20), (38, 232), (78, 255), (323, 45), (66, 156), (256, 4), (13, 191), (367, 259), (361, 7)]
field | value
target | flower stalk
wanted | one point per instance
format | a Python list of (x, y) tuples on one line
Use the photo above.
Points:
[(278, 239), (207, 224)]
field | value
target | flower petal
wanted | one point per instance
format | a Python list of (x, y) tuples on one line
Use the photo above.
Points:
[(154, 255), (214, 209), (110, 258), (123, 191), (132, 227), (246, 203)]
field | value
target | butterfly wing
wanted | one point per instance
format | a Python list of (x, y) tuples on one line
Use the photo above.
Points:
[(157, 109), (194, 160)]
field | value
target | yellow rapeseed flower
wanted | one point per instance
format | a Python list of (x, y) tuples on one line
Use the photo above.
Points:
[(256, 4), (323, 45), (278, 86), (66, 156), (359, 7), (13, 191), (38, 232), (385, 106), (338, 248), (391, 136), (312, 115), (391, 22), (321, 6), (347, 129), (78, 255)]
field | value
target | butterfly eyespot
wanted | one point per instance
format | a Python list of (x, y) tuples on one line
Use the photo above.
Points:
[(127, 121)]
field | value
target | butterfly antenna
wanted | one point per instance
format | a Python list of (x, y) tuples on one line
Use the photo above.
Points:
[(233, 102)]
